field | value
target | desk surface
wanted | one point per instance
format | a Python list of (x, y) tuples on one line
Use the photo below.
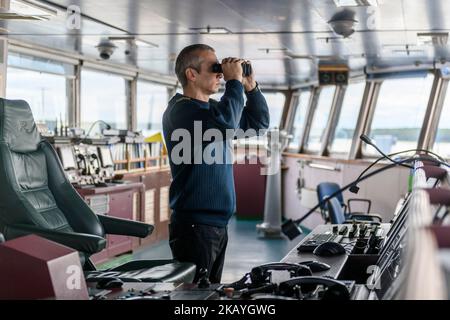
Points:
[(336, 262), (153, 291), (91, 190)]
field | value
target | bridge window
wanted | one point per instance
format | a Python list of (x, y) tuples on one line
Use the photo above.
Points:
[(320, 119), (42, 83), (275, 102), (152, 100), (103, 97), (399, 114), (298, 124), (348, 117), (442, 142)]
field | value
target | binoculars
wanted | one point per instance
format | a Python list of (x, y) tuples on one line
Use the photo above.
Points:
[(246, 68)]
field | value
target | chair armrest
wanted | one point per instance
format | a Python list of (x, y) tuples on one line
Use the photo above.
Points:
[(125, 227), (349, 201), (86, 243), (2, 238), (368, 217)]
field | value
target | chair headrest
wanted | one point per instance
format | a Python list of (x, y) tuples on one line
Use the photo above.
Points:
[(17, 126)]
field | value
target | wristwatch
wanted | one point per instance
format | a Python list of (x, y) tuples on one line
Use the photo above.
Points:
[(256, 89)]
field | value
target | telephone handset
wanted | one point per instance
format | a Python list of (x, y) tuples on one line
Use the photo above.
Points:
[(93, 159), (335, 290), (261, 274), (82, 164)]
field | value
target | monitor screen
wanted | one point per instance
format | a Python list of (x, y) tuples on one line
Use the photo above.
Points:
[(105, 156), (390, 261), (399, 216), (67, 157)]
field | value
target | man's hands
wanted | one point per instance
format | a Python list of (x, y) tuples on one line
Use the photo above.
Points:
[(232, 70)]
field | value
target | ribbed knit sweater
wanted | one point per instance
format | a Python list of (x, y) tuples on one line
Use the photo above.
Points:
[(203, 192)]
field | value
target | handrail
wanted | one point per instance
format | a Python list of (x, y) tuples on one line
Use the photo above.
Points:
[(423, 276)]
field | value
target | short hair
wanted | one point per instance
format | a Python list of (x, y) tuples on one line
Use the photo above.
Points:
[(189, 59)]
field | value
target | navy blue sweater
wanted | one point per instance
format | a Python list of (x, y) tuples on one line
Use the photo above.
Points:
[(202, 192)]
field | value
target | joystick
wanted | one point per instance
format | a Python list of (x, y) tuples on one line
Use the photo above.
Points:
[(203, 281)]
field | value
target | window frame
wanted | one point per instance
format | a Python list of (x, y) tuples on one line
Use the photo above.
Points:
[(70, 78), (436, 107), (136, 81), (372, 106), (310, 118), (269, 91), (128, 87), (338, 110), (292, 112)]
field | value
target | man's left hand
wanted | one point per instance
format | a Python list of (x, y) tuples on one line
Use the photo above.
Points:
[(249, 82)]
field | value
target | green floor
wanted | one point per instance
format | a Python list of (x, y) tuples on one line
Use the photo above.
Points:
[(245, 250)]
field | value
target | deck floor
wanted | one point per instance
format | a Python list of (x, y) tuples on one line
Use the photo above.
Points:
[(245, 249)]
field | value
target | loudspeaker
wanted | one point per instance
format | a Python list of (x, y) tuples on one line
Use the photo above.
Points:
[(35, 268), (341, 78), (326, 78), (333, 75)]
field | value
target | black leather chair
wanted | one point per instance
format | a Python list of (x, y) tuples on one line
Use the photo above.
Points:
[(2, 238), (37, 198)]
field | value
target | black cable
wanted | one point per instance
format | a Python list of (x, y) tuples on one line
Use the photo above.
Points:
[(108, 126), (355, 189), (370, 142), (287, 224)]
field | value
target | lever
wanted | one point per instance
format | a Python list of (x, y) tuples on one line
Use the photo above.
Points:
[(203, 282)]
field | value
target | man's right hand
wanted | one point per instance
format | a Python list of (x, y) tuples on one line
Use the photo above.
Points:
[(232, 69)]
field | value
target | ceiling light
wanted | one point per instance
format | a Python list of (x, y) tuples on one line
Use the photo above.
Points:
[(269, 50), (335, 39), (31, 9), (141, 43), (410, 50), (279, 18), (356, 3), (138, 42), (212, 30)]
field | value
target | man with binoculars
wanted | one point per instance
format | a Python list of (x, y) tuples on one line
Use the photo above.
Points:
[(202, 195)]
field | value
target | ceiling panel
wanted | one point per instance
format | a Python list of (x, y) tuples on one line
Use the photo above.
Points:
[(259, 29)]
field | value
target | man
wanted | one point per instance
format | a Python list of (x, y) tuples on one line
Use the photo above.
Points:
[(202, 195)]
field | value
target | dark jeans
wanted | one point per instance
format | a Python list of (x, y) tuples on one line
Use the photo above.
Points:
[(200, 244)]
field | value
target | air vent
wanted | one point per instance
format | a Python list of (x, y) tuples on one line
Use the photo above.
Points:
[(25, 10)]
